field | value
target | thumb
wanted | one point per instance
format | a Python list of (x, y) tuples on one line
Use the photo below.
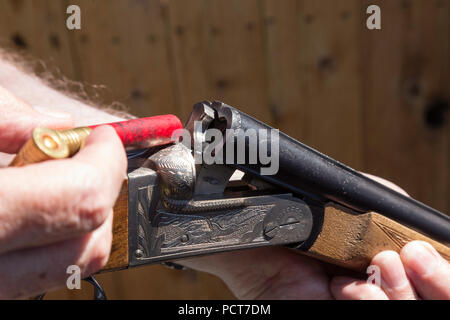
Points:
[(18, 119)]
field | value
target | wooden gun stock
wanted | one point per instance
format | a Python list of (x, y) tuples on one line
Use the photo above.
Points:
[(351, 240)]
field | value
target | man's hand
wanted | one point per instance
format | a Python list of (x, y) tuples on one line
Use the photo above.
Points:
[(57, 213), (418, 272)]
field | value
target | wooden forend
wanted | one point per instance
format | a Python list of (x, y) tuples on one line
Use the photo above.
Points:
[(351, 240)]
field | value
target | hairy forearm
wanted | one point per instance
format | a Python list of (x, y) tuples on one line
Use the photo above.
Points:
[(42, 97)]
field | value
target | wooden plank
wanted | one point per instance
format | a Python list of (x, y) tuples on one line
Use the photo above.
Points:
[(189, 40), (124, 47), (286, 77), (38, 27), (235, 55), (219, 53), (315, 74), (329, 40), (405, 70)]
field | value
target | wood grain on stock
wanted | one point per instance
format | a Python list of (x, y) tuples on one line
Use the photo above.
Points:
[(352, 240), (118, 258)]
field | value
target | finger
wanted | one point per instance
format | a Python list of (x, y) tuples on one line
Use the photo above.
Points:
[(344, 288), (31, 272), (18, 119), (387, 183), (394, 281), (428, 271), (59, 199)]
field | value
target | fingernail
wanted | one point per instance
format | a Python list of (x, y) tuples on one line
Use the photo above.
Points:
[(421, 258)]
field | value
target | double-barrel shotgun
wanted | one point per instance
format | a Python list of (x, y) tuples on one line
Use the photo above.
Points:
[(177, 203)]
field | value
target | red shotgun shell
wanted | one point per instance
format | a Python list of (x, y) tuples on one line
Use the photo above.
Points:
[(146, 132)]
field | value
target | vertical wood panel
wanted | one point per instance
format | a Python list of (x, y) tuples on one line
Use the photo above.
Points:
[(236, 55), (219, 53), (405, 71), (38, 26), (331, 66), (286, 73), (314, 74), (189, 38), (123, 45)]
